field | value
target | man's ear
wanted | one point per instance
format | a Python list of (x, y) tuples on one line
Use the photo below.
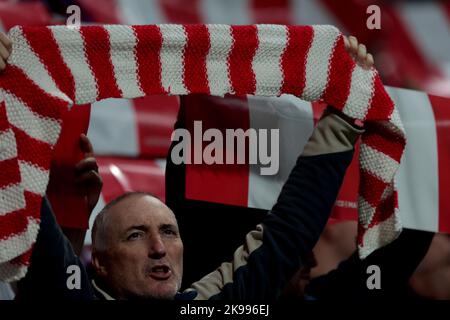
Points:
[(97, 263)]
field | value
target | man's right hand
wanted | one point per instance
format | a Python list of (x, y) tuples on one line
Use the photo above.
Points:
[(86, 174), (5, 50)]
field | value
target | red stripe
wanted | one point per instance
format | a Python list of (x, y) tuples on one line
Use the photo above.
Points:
[(13, 223), (381, 106), (39, 101), (138, 174), (371, 188), (227, 183), (197, 47), (16, 222), (385, 209), (386, 141), (181, 11), (31, 150), (441, 109), (99, 60), (148, 47), (317, 109), (24, 258), (340, 76), (299, 42), (272, 11), (4, 124), (155, 116), (10, 172), (45, 46), (241, 57)]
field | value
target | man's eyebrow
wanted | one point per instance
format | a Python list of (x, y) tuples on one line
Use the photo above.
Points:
[(141, 227), (166, 226)]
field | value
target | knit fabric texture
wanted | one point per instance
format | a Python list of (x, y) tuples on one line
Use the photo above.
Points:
[(51, 69)]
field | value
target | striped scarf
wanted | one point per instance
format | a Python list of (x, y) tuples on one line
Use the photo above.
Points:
[(53, 68)]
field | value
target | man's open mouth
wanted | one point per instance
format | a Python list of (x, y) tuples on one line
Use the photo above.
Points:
[(160, 272)]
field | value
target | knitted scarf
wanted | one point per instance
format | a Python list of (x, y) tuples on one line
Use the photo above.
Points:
[(53, 68)]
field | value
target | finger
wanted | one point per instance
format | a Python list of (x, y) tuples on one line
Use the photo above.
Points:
[(369, 61), (4, 53), (86, 146), (86, 165), (90, 178), (6, 41), (346, 43), (362, 53), (2, 65), (353, 45)]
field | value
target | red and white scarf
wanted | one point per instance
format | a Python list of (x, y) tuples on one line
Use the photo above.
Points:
[(53, 68)]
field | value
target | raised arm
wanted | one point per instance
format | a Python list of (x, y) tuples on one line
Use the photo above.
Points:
[(273, 252)]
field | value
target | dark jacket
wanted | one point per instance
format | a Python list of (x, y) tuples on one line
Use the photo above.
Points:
[(271, 253)]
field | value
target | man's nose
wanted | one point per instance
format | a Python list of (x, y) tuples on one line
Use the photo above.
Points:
[(157, 248)]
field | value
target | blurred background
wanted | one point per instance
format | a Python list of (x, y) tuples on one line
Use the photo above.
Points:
[(411, 50)]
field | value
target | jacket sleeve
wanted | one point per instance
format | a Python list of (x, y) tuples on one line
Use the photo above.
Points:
[(396, 261), (49, 273), (274, 251)]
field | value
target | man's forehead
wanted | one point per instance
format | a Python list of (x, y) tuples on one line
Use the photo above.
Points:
[(142, 210)]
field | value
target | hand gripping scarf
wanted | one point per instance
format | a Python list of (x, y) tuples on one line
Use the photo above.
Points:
[(53, 68)]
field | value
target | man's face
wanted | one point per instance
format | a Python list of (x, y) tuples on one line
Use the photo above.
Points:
[(144, 255)]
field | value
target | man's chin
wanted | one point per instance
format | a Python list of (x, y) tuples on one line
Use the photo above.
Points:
[(163, 290)]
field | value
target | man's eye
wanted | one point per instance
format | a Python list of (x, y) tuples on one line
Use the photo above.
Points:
[(169, 232), (134, 235)]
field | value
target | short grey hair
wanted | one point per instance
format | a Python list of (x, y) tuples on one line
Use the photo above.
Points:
[(98, 234)]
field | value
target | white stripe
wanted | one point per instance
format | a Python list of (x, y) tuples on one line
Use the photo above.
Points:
[(379, 236), (16, 199), (34, 179), (232, 12), (138, 12), (266, 63), (294, 118), (71, 46), (41, 128), (378, 163), (318, 60), (361, 92), (310, 12), (366, 212), (12, 272), (123, 42), (112, 128), (217, 59), (8, 147), (430, 28), (418, 188), (397, 121), (19, 243), (25, 59), (172, 58)]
